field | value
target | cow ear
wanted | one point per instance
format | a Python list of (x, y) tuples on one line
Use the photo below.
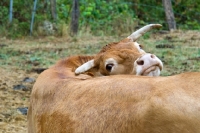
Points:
[(85, 67)]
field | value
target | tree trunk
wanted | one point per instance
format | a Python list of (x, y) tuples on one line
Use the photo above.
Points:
[(53, 9), (169, 14), (75, 18)]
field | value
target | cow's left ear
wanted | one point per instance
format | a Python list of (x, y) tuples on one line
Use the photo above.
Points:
[(85, 67)]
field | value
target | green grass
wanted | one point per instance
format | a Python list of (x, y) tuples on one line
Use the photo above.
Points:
[(183, 57), (42, 53)]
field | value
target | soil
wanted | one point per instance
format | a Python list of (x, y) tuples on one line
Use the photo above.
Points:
[(14, 100), (16, 81)]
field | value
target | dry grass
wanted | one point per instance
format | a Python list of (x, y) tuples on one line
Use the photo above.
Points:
[(19, 57)]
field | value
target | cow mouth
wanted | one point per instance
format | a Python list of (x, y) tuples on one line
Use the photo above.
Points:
[(152, 68)]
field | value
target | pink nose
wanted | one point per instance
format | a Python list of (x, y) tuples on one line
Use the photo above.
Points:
[(148, 65), (147, 58)]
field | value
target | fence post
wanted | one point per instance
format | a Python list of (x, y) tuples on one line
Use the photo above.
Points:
[(11, 11), (169, 14), (75, 18), (33, 15)]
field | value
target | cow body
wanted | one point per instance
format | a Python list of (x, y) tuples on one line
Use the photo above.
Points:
[(65, 103)]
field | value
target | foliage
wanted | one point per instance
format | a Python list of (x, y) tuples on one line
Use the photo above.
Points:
[(96, 16), (186, 12), (3, 13), (106, 16), (21, 15)]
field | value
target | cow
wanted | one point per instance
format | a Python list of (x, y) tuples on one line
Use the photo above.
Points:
[(123, 57), (52, 99), (61, 103)]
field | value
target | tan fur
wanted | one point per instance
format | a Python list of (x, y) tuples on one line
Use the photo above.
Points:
[(123, 44), (124, 52), (114, 104), (74, 62), (125, 57), (62, 102)]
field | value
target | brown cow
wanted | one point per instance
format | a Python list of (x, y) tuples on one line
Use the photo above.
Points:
[(123, 57), (62, 103), (58, 93)]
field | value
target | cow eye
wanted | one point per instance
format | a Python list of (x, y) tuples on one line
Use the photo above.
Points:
[(109, 67)]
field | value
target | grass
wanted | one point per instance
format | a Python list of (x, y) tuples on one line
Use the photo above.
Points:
[(180, 50), (182, 57)]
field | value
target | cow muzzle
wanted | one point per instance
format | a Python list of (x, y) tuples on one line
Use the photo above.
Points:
[(148, 65)]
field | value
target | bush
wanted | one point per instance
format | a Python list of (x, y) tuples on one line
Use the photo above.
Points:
[(97, 16)]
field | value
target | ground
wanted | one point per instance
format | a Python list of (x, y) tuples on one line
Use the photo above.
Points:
[(22, 59)]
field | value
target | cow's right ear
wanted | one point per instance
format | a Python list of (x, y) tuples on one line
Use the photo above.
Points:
[(85, 67)]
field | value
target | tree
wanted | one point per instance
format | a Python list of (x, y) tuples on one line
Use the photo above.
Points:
[(53, 9), (75, 18), (169, 14)]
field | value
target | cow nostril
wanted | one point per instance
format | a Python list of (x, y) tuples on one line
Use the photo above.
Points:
[(140, 62), (152, 56)]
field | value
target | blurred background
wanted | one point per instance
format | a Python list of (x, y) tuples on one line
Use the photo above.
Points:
[(19, 18)]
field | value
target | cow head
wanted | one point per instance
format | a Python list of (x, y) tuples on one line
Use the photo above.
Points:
[(125, 57)]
